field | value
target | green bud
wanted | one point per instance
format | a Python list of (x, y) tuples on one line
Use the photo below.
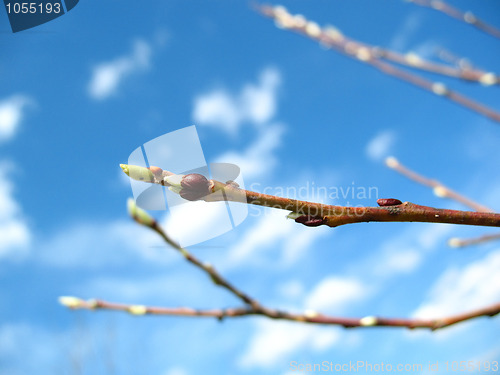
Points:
[(71, 302), (138, 310), (138, 173), (139, 215)]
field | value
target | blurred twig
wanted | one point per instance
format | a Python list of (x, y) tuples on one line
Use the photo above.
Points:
[(334, 39), (308, 213), (307, 317), (438, 188), (252, 306), (467, 17), (444, 192), (462, 242)]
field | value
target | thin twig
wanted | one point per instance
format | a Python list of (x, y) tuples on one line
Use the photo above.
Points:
[(449, 57), (443, 191), (307, 317), (143, 218), (252, 306), (315, 214), (414, 61), (362, 52), (438, 188), (467, 17), (462, 242)]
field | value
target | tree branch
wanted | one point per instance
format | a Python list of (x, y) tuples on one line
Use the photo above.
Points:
[(307, 317), (367, 54), (467, 17), (463, 242), (315, 214), (438, 188)]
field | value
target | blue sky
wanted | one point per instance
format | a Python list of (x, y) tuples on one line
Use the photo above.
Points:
[(79, 94)]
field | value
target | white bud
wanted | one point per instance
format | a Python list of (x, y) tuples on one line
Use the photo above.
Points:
[(333, 33), (469, 17), (174, 180), (311, 314), (392, 162), (313, 30), (439, 89), (488, 79), (293, 215), (413, 58), (455, 242), (71, 302), (299, 20), (138, 310), (440, 191), (363, 54), (368, 321)]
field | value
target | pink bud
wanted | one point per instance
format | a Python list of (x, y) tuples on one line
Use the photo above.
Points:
[(388, 202), (310, 221), (194, 187)]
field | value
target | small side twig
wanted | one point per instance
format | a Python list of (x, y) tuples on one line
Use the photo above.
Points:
[(364, 53), (308, 213), (444, 192), (307, 317), (438, 188), (463, 242), (467, 17), (252, 306), (143, 218)]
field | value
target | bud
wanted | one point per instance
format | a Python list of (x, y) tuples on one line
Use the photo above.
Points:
[(137, 173), (455, 242), (440, 191), (368, 321), (439, 88), (311, 314), (194, 186), (139, 215), (138, 310), (383, 202), (488, 79), (71, 302), (310, 221), (174, 180), (293, 215), (392, 162)]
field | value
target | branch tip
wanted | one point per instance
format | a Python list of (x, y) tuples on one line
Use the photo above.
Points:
[(139, 215), (71, 302)]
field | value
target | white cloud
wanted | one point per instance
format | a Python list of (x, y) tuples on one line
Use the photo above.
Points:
[(254, 103), (98, 244), (291, 289), (275, 341), (335, 293), (11, 115), (195, 222), (270, 231), (258, 158), (400, 261), (14, 232), (380, 146), (458, 290), (410, 26), (405, 253), (106, 77)]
